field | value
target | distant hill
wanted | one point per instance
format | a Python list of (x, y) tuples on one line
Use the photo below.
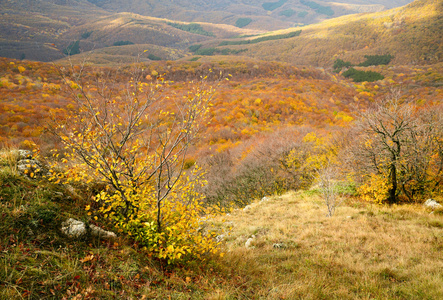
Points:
[(413, 34), (49, 30), (264, 14)]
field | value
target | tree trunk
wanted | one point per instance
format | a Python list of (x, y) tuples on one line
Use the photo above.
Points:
[(393, 190)]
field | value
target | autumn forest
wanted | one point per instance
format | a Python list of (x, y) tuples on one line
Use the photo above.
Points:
[(240, 164)]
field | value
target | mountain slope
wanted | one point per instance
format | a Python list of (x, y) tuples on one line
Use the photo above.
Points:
[(412, 34), (270, 15), (34, 29)]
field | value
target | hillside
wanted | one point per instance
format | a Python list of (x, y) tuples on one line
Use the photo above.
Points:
[(281, 248), (264, 15), (49, 30), (34, 29), (412, 34)]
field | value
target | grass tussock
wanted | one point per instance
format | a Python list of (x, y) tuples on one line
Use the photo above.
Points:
[(362, 252)]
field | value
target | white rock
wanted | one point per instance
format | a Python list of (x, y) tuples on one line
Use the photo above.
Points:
[(76, 228), (101, 233), (431, 203), (73, 228), (264, 199), (220, 238), (24, 154), (249, 241), (247, 207), (279, 245)]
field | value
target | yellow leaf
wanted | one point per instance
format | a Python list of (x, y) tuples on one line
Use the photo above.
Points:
[(87, 258)]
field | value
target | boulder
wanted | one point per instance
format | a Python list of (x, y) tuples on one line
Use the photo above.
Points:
[(75, 228), (431, 203), (30, 168), (24, 154)]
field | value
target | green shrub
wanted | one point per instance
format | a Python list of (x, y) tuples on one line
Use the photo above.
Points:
[(194, 48), (205, 51), (154, 57), (72, 49), (212, 51), (270, 6), (359, 76), (262, 39), (324, 10), (288, 13), (86, 34), (376, 60), (339, 64), (192, 28), (242, 22), (123, 43)]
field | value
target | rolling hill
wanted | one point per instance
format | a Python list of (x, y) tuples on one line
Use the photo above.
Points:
[(47, 30), (264, 14), (413, 34)]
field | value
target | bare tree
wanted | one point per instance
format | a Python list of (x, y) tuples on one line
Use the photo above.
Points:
[(399, 142), (329, 188)]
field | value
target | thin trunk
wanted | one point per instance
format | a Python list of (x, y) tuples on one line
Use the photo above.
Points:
[(393, 190)]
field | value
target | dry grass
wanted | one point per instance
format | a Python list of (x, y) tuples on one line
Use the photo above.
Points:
[(9, 157), (361, 252)]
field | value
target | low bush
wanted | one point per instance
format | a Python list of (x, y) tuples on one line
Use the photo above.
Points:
[(242, 22), (262, 39), (192, 28), (360, 76), (287, 13), (270, 6), (376, 60), (123, 43)]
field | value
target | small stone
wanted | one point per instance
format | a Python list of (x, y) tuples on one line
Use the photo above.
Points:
[(101, 233), (246, 208), (264, 199), (279, 245), (73, 228), (248, 243)]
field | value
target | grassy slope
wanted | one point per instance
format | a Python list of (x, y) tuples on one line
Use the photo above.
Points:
[(412, 34), (362, 252), (227, 12)]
